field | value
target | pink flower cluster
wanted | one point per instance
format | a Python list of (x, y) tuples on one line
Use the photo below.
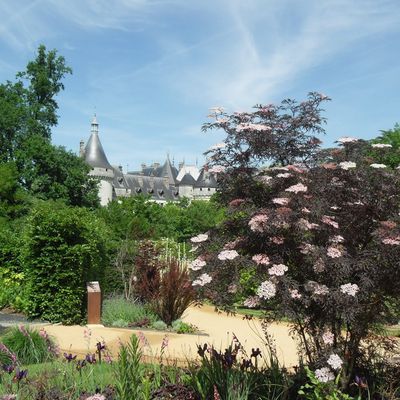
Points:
[(347, 139), (324, 374), (261, 259), (337, 239), (236, 202), (284, 175), (282, 201), (328, 220), (277, 239), (252, 301), (297, 188), (347, 165), (328, 337), (253, 127), (295, 294), (381, 145), (258, 223), (227, 255), (217, 169), (306, 225), (392, 241), (278, 269), (334, 361), (334, 252)]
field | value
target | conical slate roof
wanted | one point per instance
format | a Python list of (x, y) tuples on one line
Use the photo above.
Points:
[(187, 180), (94, 153), (168, 170), (206, 179)]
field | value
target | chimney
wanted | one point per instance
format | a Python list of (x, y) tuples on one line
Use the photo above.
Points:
[(180, 165), (120, 168), (82, 149), (156, 165), (143, 166)]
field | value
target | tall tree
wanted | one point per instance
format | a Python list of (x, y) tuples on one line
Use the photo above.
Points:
[(44, 76)]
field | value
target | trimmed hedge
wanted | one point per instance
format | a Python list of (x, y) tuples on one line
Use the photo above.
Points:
[(64, 249)]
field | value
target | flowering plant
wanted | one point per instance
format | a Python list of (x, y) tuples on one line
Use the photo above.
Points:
[(328, 257)]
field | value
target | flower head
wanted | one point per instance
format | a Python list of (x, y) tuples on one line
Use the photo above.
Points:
[(334, 361), (297, 188), (281, 201), (266, 290), (334, 252), (278, 270), (227, 255), (261, 259), (347, 139), (252, 302), (258, 223), (199, 238), (378, 166), (202, 280), (349, 289), (324, 375), (380, 145), (347, 165), (328, 337), (197, 264)]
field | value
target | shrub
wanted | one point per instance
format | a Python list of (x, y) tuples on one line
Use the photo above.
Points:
[(120, 312), (159, 325), (175, 292), (183, 327), (314, 238), (29, 345), (64, 249)]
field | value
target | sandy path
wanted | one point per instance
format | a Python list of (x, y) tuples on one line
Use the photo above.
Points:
[(216, 329)]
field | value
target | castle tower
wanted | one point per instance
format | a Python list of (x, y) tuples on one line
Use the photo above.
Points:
[(94, 156)]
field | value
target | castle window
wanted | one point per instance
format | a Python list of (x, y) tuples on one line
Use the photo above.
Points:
[(138, 190)]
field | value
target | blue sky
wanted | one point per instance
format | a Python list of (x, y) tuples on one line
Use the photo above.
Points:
[(152, 69)]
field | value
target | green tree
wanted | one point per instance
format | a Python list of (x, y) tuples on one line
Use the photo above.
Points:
[(65, 247), (51, 172), (44, 76)]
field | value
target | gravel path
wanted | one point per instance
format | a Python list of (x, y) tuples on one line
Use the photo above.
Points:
[(10, 319)]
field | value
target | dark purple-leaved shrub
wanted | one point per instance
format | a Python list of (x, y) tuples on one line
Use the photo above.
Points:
[(316, 242)]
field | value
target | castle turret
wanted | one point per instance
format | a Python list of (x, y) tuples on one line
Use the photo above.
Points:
[(101, 168)]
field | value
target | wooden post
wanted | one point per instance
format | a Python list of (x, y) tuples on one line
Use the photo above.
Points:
[(93, 303)]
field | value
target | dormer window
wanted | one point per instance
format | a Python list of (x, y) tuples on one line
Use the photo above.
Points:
[(120, 180), (161, 192), (151, 191), (138, 190)]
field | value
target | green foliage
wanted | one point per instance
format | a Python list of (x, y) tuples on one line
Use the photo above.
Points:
[(388, 156), (137, 218), (316, 390), (44, 76), (120, 312), (51, 173), (130, 377), (179, 326), (29, 345), (159, 325), (64, 249)]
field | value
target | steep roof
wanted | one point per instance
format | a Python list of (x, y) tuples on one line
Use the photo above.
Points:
[(206, 179), (187, 180), (94, 153)]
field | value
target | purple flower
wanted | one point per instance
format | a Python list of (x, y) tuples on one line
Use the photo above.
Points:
[(69, 357)]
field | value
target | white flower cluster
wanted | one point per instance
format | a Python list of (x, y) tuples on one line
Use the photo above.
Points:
[(334, 361), (378, 166), (381, 145), (278, 269), (297, 188), (347, 139), (202, 280), (347, 165), (197, 264), (227, 255), (267, 290), (349, 288), (324, 374), (199, 238), (253, 127), (284, 175)]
